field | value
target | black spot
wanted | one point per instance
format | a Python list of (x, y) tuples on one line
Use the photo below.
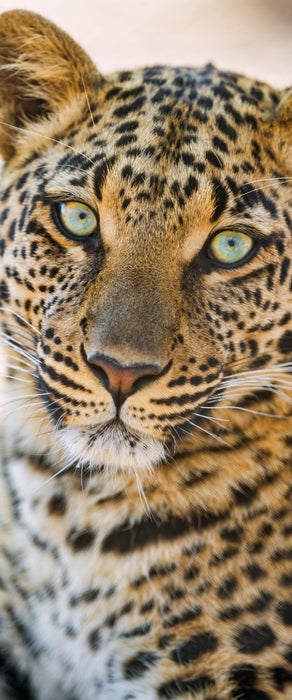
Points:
[(231, 533), (254, 571), (200, 116), (49, 333), (94, 639), (126, 126), (188, 158), (22, 180), (220, 197), (191, 186), (284, 269), (205, 102), (252, 640), (226, 128), (139, 664), (285, 319), (244, 676), (220, 144), (222, 91), (137, 631), (131, 107), (126, 139), (81, 540), (99, 178), (187, 615), (281, 676), (261, 602), (57, 504), (231, 612), (4, 291), (227, 587), (286, 579), (221, 557), (250, 120), (149, 605), (181, 686), (191, 573), (194, 647), (214, 159), (16, 681), (128, 537), (252, 694), (165, 641), (284, 610), (285, 342), (243, 494), (3, 215), (11, 231)]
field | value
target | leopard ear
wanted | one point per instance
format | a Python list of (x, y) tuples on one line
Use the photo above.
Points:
[(41, 69), (283, 124), (284, 110)]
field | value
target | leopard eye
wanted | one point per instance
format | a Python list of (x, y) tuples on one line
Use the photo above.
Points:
[(229, 247), (77, 218)]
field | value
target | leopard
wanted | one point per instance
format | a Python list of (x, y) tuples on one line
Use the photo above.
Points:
[(146, 465)]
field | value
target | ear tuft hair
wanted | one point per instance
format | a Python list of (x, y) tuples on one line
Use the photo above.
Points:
[(41, 69)]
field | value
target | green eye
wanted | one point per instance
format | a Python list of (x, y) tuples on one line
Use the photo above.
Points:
[(77, 218), (229, 247)]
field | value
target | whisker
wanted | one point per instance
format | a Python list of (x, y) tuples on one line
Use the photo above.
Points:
[(213, 435), (28, 405), (20, 369), (142, 494), (54, 476), (48, 138), (88, 103), (271, 182), (18, 359), (12, 332), (19, 350), (249, 410), (6, 309), (7, 401), (18, 379)]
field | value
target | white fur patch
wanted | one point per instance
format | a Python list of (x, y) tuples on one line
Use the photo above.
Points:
[(112, 448)]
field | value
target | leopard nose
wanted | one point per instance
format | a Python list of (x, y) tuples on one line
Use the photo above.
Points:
[(120, 380)]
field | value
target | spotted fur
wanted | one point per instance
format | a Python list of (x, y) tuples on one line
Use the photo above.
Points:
[(145, 547)]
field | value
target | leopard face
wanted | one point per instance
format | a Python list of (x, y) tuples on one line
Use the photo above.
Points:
[(136, 326)]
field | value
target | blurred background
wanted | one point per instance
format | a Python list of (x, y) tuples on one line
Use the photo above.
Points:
[(250, 36)]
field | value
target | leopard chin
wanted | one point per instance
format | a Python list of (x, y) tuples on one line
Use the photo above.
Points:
[(112, 447)]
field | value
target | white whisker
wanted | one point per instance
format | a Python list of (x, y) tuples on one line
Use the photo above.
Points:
[(5, 308), (48, 138)]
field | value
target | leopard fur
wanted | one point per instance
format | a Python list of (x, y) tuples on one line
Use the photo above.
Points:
[(145, 547)]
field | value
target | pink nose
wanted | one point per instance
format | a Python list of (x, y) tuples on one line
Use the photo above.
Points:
[(120, 381)]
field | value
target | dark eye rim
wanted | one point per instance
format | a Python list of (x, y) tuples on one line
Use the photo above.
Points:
[(55, 213), (231, 266)]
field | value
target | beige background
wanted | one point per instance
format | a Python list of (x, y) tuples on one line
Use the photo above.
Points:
[(252, 36)]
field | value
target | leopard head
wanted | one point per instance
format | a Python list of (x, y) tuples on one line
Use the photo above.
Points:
[(145, 245)]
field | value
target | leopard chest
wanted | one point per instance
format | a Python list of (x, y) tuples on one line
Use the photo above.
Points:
[(153, 609)]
